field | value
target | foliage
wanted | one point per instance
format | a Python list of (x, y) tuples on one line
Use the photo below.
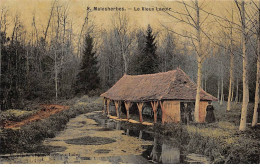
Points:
[(148, 60), (87, 78), (13, 74), (29, 137), (15, 115), (221, 141)]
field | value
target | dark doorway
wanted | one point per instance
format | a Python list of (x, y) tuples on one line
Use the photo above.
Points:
[(147, 112), (123, 111), (133, 112), (112, 108), (187, 112), (159, 114)]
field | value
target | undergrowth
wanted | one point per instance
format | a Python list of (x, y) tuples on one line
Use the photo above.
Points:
[(221, 141), (29, 137)]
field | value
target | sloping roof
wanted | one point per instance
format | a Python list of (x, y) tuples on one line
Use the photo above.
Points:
[(171, 85)]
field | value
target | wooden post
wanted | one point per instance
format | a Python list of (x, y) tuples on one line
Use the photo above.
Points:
[(155, 107), (104, 105), (163, 114), (140, 108), (117, 106), (127, 107), (108, 102)]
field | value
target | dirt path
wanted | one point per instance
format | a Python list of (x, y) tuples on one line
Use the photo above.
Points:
[(45, 112)]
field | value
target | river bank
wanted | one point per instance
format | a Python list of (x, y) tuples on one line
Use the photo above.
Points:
[(82, 134)]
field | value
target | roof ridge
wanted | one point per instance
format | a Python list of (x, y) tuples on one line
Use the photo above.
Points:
[(170, 71)]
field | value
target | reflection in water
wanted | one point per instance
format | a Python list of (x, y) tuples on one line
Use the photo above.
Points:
[(165, 153), (170, 154), (111, 124), (156, 151), (162, 150), (118, 125), (140, 134)]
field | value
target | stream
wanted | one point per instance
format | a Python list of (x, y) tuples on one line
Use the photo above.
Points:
[(94, 139)]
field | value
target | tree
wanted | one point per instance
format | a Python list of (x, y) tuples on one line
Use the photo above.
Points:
[(137, 52), (85, 26), (148, 60), (13, 71), (231, 70), (123, 37), (168, 58), (255, 115), (87, 78), (241, 8), (190, 16)]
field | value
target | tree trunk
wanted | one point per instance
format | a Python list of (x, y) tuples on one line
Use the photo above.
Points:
[(230, 81), (222, 87), (81, 32), (0, 60), (56, 77), (197, 103), (231, 75), (242, 126), (199, 60), (125, 63), (232, 90), (0, 52), (237, 93), (255, 115), (49, 20), (218, 90), (205, 84), (165, 61), (202, 83)]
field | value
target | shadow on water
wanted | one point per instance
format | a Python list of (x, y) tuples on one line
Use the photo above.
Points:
[(164, 150)]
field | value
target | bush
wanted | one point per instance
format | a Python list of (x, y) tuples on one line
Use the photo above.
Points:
[(29, 137), (95, 92), (15, 115)]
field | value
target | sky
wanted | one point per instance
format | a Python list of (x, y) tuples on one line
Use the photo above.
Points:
[(41, 8), (102, 19)]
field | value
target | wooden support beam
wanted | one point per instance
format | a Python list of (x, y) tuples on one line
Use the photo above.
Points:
[(127, 107), (140, 109), (155, 107), (163, 112), (104, 105), (108, 102), (118, 108)]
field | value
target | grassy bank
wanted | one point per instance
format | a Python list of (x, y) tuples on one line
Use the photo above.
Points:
[(221, 141), (29, 137), (15, 115)]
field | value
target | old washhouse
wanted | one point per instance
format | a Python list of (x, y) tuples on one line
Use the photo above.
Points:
[(165, 92)]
